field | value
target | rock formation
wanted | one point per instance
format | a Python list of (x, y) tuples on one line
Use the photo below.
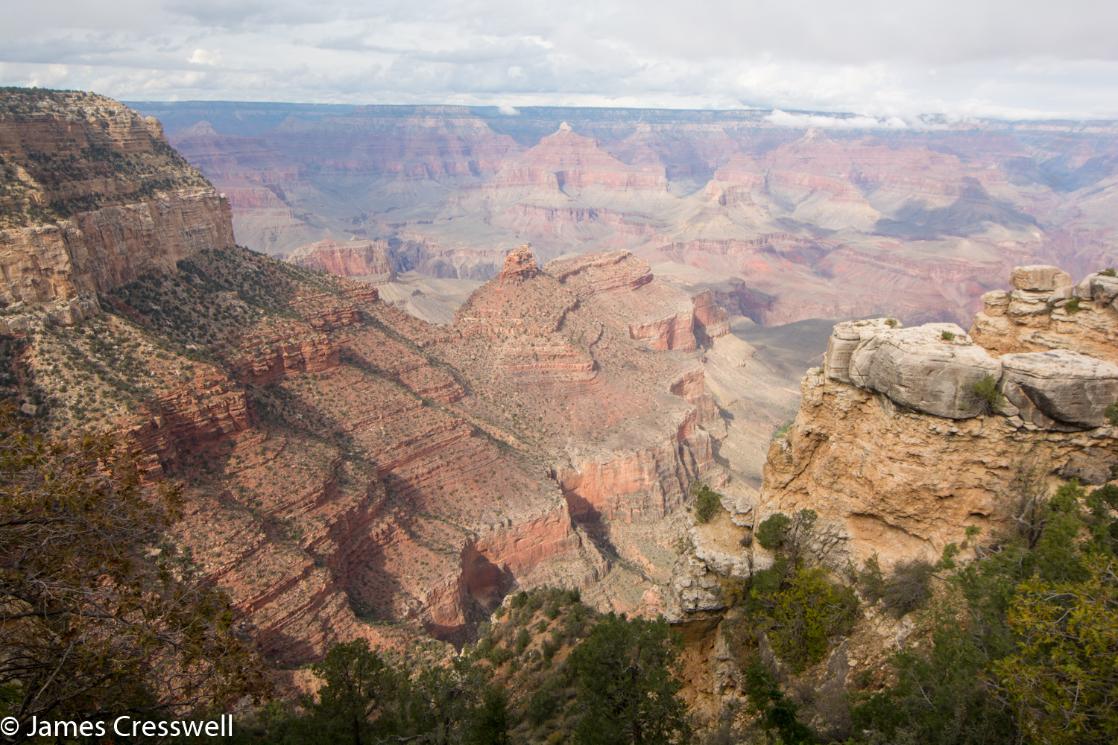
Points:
[(97, 198), (346, 469), (1045, 310), (907, 437), (367, 260)]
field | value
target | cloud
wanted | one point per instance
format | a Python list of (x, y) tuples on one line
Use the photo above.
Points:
[(507, 110), (887, 61), (823, 121), (205, 57)]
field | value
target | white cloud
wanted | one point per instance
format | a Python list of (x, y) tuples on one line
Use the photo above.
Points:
[(824, 121), (887, 60), (205, 57)]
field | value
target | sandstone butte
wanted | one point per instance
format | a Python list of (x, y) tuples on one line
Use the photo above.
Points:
[(348, 470)]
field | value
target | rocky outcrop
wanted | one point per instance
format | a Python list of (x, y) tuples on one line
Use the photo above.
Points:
[(1059, 387), (95, 251), (648, 482), (270, 358), (520, 264), (907, 437), (711, 319), (676, 331), (1045, 310), (932, 368), (845, 338), (1039, 278), (190, 420), (903, 484), (597, 273), (367, 260)]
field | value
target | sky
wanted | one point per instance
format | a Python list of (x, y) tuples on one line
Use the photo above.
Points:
[(888, 61)]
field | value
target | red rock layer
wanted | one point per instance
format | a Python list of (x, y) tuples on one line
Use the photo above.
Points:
[(565, 161), (369, 260)]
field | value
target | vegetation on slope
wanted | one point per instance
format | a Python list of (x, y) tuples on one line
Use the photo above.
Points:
[(99, 615), (1024, 648), (548, 670)]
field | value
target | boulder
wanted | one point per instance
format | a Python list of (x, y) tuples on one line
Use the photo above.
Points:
[(1104, 288), (920, 369), (995, 302), (1040, 278), (1060, 389), (845, 337)]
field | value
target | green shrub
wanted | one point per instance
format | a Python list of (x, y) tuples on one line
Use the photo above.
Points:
[(908, 588), (1072, 305), (986, 390), (773, 531), (782, 431), (947, 335), (1108, 272), (807, 614), (707, 503), (625, 687), (1111, 413), (891, 322), (871, 581)]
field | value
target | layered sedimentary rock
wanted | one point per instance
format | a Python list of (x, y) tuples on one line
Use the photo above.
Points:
[(1046, 310), (97, 198), (368, 260), (349, 471), (908, 436), (915, 223), (569, 162)]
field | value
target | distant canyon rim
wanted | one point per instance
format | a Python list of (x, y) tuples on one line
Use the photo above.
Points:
[(784, 224)]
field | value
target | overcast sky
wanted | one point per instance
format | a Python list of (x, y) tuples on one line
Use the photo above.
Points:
[(1004, 58)]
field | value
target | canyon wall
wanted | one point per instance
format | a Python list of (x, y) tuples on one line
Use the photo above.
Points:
[(816, 222)]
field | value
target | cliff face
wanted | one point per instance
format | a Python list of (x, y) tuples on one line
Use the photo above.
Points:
[(368, 260), (908, 436), (93, 198)]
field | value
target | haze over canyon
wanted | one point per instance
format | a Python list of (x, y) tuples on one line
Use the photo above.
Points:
[(787, 217)]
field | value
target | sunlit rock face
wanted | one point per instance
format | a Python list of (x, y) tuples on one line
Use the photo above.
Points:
[(907, 437)]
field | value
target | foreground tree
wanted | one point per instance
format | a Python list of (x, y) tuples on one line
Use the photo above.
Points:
[(625, 687), (367, 698), (99, 615), (1063, 677)]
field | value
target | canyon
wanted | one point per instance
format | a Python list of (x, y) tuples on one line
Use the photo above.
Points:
[(539, 341), (348, 470), (832, 221)]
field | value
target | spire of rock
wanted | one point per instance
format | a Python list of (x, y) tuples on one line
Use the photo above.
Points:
[(519, 264)]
